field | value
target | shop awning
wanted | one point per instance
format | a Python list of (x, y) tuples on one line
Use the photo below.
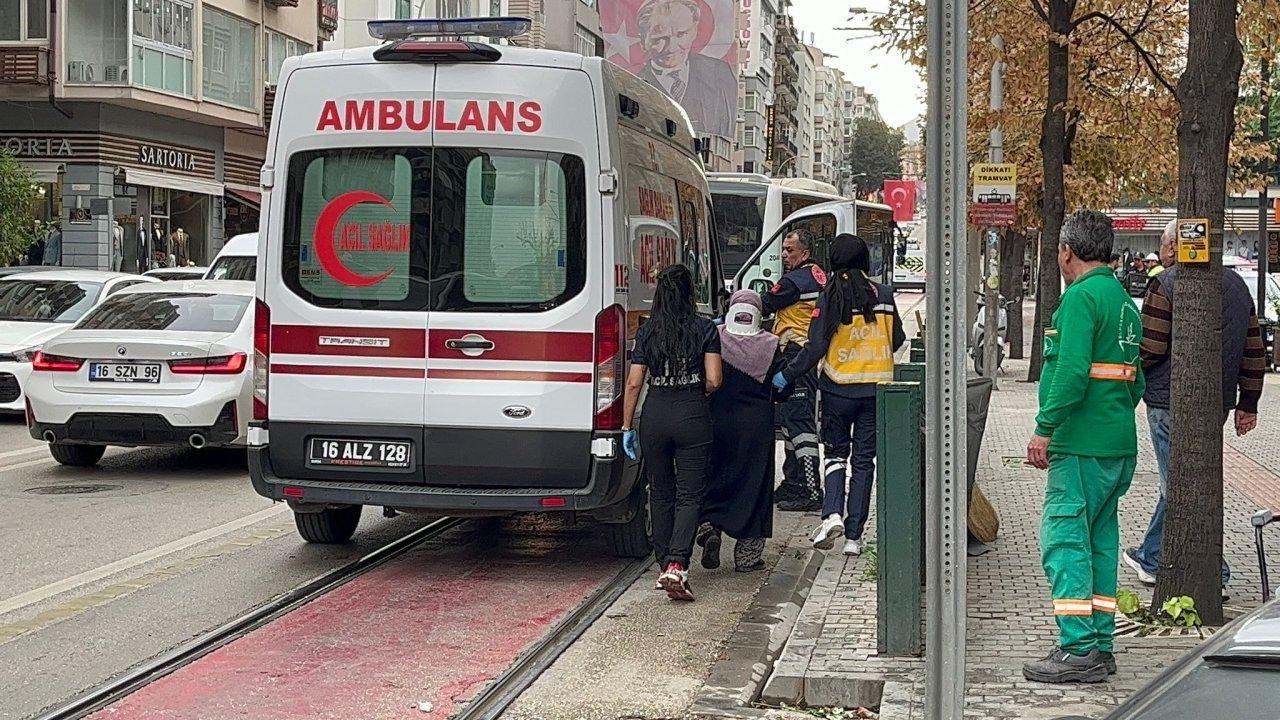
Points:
[(149, 178), (248, 197)]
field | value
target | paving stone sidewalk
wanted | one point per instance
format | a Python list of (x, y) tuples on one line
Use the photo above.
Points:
[(830, 658)]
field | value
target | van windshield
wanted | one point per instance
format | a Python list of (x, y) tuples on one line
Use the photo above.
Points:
[(739, 214), (462, 229)]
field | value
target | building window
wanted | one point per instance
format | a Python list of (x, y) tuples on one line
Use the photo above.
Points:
[(163, 56), (24, 20), (280, 47), (589, 44), (749, 137), (404, 9), (751, 102), (101, 51), (230, 59)]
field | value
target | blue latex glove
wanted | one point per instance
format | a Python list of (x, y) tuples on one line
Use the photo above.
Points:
[(629, 444), (718, 321), (779, 381)]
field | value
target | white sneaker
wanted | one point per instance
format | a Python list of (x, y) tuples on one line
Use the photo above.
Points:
[(1130, 559), (824, 537), (852, 547)]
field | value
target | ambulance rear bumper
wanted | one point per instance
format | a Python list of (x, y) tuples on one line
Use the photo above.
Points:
[(610, 483)]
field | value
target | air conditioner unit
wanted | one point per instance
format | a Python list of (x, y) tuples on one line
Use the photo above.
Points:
[(116, 74), (75, 71)]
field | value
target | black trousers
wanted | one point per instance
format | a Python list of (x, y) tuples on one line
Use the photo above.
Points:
[(799, 419), (849, 436), (675, 440)]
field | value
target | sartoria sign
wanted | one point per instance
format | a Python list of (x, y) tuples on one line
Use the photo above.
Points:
[(168, 158), (37, 146)]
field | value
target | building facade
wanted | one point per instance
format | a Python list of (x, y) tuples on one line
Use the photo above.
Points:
[(806, 87), (757, 40), (143, 120), (828, 123), (783, 150), (912, 155)]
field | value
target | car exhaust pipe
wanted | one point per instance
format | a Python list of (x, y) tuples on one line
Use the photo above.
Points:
[(49, 436), (196, 440)]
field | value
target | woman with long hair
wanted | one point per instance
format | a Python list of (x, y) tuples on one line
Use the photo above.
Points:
[(739, 498), (678, 353), (855, 332)]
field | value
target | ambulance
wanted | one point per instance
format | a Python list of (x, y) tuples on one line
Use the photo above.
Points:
[(458, 241)]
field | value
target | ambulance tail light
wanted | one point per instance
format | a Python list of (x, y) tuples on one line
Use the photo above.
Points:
[(261, 357), (611, 326)]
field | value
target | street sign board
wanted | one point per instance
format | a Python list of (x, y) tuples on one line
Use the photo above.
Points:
[(1193, 240), (995, 183), (993, 214)]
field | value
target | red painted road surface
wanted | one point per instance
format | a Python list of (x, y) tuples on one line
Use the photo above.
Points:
[(435, 625)]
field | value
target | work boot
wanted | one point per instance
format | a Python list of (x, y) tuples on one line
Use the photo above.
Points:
[(806, 501), (1061, 666), (786, 493), (1108, 661), (709, 539)]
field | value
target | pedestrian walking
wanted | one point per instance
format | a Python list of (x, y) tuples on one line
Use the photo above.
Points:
[(739, 498), (792, 300), (1086, 437), (1151, 263), (856, 330), (678, 354), (1244, 366)]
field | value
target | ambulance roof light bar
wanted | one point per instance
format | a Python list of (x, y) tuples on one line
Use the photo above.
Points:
[(492, 27)]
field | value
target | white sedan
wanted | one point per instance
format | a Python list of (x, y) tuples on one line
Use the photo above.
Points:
[(165, 364), (37, 306)]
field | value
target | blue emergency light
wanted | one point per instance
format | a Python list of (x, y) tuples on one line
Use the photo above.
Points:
[(493, 27)]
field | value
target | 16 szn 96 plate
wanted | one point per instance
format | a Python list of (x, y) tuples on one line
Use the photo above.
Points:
[(338, 452)]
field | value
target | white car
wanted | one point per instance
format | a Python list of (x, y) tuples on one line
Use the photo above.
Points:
[(192, 272), (237, 260), (166, 364), (37, 306)]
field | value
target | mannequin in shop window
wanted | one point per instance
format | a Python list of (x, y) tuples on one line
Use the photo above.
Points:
[(53, 246), (160, 249), (179, 244), (117, 245)]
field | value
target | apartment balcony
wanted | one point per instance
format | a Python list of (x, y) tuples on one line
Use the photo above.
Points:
[(268, 105), (24, 65), (282, 3)]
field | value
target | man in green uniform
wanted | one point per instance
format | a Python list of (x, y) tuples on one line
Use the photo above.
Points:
[(1085, 436)]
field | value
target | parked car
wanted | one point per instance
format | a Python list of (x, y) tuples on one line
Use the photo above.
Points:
[(35, 307), (20, 269), (193, 272), (237, 260), (165, 364)]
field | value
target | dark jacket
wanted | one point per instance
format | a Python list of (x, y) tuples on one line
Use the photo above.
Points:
[(844, 355), (1243, 354), (793, 299)]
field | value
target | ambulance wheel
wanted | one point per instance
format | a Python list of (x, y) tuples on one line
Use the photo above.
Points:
[(76, 455), (330, 526), (630, 539)]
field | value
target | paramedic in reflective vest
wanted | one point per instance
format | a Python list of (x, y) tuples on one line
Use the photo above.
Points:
[(791, 300), (855, 332), (1085, 436)]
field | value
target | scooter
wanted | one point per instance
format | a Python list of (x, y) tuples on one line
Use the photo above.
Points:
[(978, 332), (1261, 519)]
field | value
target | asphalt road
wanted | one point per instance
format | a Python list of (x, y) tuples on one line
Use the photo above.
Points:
[(106, 567)]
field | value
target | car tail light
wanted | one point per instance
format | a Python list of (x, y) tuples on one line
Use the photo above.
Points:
[(220, 365), (611, 326), (261, 357), (55, 363)]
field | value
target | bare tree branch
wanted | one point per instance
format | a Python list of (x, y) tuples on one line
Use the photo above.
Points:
[(1039, 8), (1133, 41)]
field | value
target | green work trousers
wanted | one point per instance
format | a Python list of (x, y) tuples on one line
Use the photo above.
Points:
[(1080, 546)]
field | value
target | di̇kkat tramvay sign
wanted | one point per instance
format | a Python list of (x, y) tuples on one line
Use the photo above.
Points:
[(995, 195)]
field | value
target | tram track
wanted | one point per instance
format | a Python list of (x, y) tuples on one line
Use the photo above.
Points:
[(490, 702)]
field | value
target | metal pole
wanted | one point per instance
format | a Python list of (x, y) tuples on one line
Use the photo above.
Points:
[(991, 269), (946, 425), (1263, 199)]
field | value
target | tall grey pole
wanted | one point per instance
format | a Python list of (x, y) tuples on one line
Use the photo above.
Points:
[(946, 426), (1264, 247), (990, 240)]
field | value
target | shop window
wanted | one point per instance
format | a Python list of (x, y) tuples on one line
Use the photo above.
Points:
[(230, 59), (24, 20), (279, 48), (100, 54)]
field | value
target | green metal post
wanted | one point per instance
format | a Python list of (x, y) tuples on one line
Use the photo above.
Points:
[(899, 517)]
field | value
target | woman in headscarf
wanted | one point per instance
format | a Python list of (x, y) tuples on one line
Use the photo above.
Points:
[(739, 499), (855, 333)]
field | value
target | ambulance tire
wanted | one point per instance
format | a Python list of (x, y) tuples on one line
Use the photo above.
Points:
[(330, 526), (76, 455), (630, 539)]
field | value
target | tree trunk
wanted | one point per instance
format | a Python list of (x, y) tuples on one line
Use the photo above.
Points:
[(1053, 148), (1012, 252), (1192, 552)]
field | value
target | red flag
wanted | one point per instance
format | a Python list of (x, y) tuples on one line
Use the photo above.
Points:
[(901, 196)]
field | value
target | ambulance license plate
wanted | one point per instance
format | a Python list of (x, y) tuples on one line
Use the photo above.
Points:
[(393, 454)]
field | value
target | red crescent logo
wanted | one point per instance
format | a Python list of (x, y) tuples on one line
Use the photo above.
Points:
[(326, 243)]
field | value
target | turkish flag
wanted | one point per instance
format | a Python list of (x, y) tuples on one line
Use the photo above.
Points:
[(901, 196)]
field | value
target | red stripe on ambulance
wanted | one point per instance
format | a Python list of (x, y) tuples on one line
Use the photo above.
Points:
[(359, 341), (517, 345), (420, 115)]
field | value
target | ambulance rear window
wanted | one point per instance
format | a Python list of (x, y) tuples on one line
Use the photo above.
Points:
[(461, 229)]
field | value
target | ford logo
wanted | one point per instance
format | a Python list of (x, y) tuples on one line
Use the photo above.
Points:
[(122, 351), (517, 412)]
